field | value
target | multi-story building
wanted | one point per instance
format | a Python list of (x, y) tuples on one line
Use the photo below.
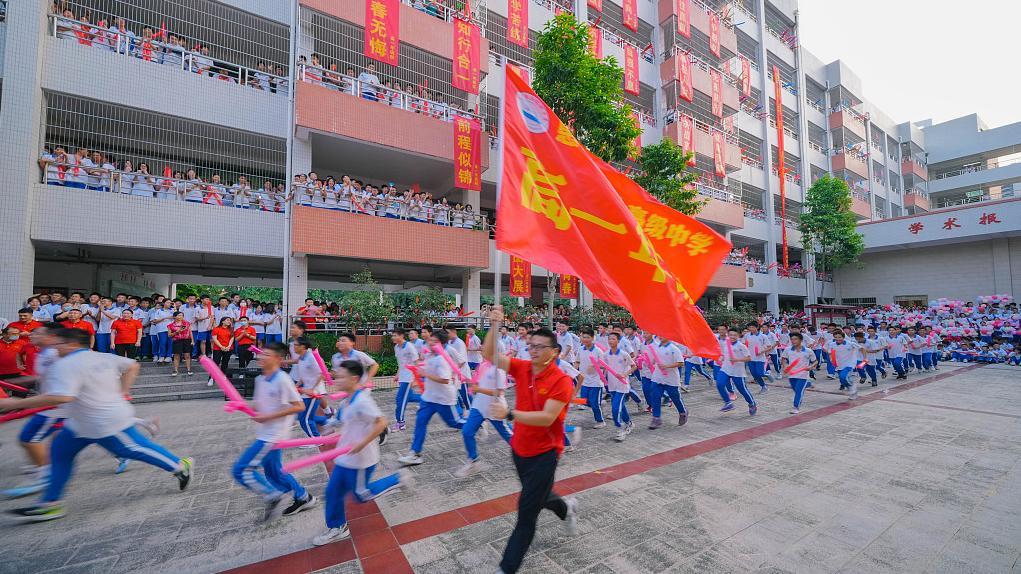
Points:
[(263, 90)]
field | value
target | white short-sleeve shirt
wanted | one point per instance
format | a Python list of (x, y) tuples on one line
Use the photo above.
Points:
[(358, 414), (272, 394), (99, 408)]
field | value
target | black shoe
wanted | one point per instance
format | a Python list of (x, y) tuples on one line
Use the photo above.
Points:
[(300, 505), (184, 475), (274, 508), (383, 437), (875, 384)]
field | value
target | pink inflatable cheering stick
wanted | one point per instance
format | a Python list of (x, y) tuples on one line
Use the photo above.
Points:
[(12, 386), (479, 372), (441, 352), (600, 347), (655, 356), (615, 374), (255, 349), (315, 459), (316, 440), (322, 367), (602, 375), (235, 402), (23, 413)]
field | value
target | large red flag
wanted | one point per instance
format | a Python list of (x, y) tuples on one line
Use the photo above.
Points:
[(574, 214)]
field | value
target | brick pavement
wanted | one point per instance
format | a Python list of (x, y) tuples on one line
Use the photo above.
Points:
[(924, 480)]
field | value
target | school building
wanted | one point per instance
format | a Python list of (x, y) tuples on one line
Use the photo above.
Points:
[(265, 89)]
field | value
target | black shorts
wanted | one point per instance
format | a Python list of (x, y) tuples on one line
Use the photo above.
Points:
[(182, 346)]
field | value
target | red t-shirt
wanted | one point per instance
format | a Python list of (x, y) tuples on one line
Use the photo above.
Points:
[(26, 328), (532, 393), (9, 353), (125, 332), (223, 335), (81, 325), (245, 336)]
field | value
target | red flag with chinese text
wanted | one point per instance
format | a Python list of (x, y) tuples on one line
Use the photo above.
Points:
[(517, 22), (382, 30), (595, 42), (684, 18), (719, 154), (631, 14), (467, 40), (574, 214), (568, 287), (746, 77), (520, 277), (714, 34), (637, 143), (468, 154), (631, 69), (686, 91), (717, 95), (688, 137)]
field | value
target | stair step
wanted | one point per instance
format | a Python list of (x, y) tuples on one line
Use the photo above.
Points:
[(170, 387), (177, 396)]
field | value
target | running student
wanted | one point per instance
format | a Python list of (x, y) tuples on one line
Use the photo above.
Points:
[(345, 352), (309, 379), (259, 469), (361, 423), (845, 355), (92, 385), (620, 366), (439, 397), (735, 355), (591, 383), (491, 387), (799, 361), (667, 381), (407, 354)]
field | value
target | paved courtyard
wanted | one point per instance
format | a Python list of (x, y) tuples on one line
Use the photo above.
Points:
[(926, 478)]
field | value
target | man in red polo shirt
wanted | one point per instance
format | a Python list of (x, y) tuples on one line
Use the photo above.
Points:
[(26, 324), (12, 353), (127, 334), (75, 321), (543, 394)]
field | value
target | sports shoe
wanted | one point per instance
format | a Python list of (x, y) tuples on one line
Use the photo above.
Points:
[(727, 407), (184, 475), (830, 377), (274, 508), (39, 512), (384, 437), (794, 411), (630, 426), (34, 487), (752, 409), (402, 427), (599, 425), (681, 419), (621, 435), (122, 465), (684, 388), (406, 479), (395, 427), (151, 425), (469, 468), (209, 383), (410, 459), (174, 374), (882, 375), (299, 505), (571, 520), (763, 390), (332, 535), (655, 423), (875, 384), (853, 396), (576, 436), (190, 373)]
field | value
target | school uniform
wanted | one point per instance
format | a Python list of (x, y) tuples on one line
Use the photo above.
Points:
[(799, 360), (592, 384), (458, 353), (874, 347), (620, 363), (309, 377), (492, 379), (845, 356), (104, 339), (473, 348), (756, 344), (898, 351), (915, 352), (691, 363), (667, 380), (274, 327), (437, 398), (407, 354), (733, 372)]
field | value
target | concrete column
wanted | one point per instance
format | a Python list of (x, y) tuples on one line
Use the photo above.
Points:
[(766, 88), (1002, 280), (585, 298), (296, 282), (21, 118), (471, 290)]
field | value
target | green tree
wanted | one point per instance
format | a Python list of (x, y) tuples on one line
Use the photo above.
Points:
[(665, 175), (719, 313), (587, 94), (828, 226), (368, 303), (426, 304)]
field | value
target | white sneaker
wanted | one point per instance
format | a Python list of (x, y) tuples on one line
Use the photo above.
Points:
[(209, 383), (576, 436), (410, 459), (332, 535), (571, 520), (794, 411), (599, 425), (406, 479), (621, 435), (630, 426), (469, 468)]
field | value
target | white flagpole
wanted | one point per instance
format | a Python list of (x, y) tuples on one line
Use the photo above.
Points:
[(497, 255)]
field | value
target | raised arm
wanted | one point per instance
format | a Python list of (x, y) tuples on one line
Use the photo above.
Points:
[(489, 351)]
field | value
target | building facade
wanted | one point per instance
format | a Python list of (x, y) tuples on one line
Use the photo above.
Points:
[(215, 96)]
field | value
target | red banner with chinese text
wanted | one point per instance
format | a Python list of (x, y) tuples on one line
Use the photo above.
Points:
[(596, 5), (468, 154), (746, 77), (382, 30), (717, 82), (568, 287), (637, 143), (631, 14), (684, 18), (520, 277), (688, 137), (687, 90), (719, 154), (781, 162), (574, 214), (517, 22), (467, 40), (595, 42), (631, 70), (714, 34)]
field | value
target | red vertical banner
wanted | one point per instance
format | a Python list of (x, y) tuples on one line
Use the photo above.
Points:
[(714, 34), (684, 18), (517, 22), (631, 14), (520, 277), (637, 143), (468, 154), (466, 56), (717, 82), (719, 154), (631, 69), (568, 287), (382, 30), (688, 137), (781, 165), (746, 77), (596, 5), (686, 89), (595, 42)]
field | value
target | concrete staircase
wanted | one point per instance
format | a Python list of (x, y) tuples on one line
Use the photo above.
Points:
[(155, 383)]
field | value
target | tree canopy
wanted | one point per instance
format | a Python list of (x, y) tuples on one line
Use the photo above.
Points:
[(664, 175), (828, 226)]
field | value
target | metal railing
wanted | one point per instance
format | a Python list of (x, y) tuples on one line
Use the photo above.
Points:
[(790, 174), (343, 322), (790, 133), (788, 222), (976, 168), (816, 147), (393, 97), (754, 162), (817, 105), (390, 206), (715, 193), (438, 10), (859, 195), (149, 49), (612, 37), (821, 276), (964, 200), (752, 212), (144, 184), (554, 5), (878, 214)]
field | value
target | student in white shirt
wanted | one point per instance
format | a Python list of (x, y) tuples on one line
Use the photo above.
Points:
[(619, 366), (667, 379), (457, 350), (311, 387), (799, 361), (846, 356), (439, 397), (592, 384), (735, 355), (874, 346), (758, 345), (346, 352), (492, 383), (407, 354), (897, 349), (474, 348), (92, 386), (276, 401), (692, 362), (159, 318), (361, 423), (274, 324)]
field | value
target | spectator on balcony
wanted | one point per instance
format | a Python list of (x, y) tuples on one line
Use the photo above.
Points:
[(75, 175), (279, 83), (144, 184), (441, 211), (173, 53), (262, 77), (241, 192), (469, 217), (368, 82), (201, 63), (313, 72), (457, 215), (215, 191), (122, 39), (332, 78), (126, 176)]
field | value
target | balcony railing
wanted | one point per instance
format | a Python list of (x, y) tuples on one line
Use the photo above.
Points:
[(612, 37), (790, 175), (821, 276), (789, 222), (816, 147), (790, 133), (855, 115), (878, 214), (787, 86), (373, 91), (817, 105), (964, 200), (715, 193), (859, 195), (438, 10), (156, 51), (554, 5), (389, 206), (786, 37), (752, 212), (754, 162), (976, 168), (144, 184), (676, 50)]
